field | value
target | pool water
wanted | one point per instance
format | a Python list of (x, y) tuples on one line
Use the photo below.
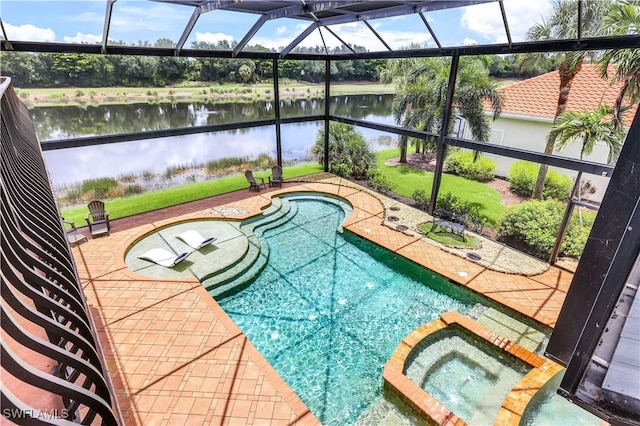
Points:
[(329, 309), (546, 407), (469, 377)]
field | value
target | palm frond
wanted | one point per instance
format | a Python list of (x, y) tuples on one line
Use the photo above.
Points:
[(589, 127)]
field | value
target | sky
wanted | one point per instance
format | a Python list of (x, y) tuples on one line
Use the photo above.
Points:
[(82, 21)]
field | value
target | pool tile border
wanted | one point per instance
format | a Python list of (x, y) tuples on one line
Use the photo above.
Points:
[(429, 409)]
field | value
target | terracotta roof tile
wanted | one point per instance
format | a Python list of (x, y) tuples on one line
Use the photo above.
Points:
[(538, 96)]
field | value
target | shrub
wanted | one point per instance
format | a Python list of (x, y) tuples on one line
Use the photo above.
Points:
[(421, 198), (346, 146), (263, 160), (522, 175), (378, 181), (522, 180), (556, 186), (451, 203), (133, 190), (226, 163), (532, 227), (127, 177), (462, 164), (176, 170), (73, 195), (477, 222), (148, 174), (341, 169), (98, 187)]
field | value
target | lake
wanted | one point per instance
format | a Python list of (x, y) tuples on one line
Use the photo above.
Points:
[(68, 166)]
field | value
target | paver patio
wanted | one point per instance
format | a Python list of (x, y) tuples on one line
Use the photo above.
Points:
[(174, 355)]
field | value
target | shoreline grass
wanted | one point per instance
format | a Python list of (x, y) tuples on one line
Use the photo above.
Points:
[(82, 96), (167, 197)]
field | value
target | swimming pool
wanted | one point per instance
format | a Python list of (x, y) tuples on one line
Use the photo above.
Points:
[(329, 308)]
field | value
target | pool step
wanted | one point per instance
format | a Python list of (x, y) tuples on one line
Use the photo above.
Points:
[(274, 210), (233, 279), (257, 255), (270, 218), (289, 210)]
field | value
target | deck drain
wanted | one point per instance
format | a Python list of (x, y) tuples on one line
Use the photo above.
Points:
[(394, 208), (393, 218), (474, 256), (401, 228)]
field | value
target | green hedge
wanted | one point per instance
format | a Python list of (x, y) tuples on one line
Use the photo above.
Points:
[(532, 227), (462, 164), (379, 181), (522, 179)]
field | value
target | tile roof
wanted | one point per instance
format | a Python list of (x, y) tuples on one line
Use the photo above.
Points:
[(538, 96)]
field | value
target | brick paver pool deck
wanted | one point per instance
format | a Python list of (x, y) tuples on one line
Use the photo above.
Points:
[(175, 357)]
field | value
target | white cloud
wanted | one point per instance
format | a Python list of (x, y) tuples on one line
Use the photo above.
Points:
[(84, 38), (29, 32), (281, 29), (486, 19), (359, 34), (128, 18), (469, 42), (87, 17), (213, 38)]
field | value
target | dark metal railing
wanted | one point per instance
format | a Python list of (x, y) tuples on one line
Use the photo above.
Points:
[(43, 307)]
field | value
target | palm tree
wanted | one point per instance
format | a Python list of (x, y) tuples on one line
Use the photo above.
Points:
[(398, 71), (623, 18), (589, 127), (563, 24), (420, 101), (349, 153)]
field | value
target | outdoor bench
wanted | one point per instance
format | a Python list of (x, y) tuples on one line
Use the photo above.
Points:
[(447, 220)]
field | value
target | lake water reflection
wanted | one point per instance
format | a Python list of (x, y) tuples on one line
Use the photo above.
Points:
[(76, 164)]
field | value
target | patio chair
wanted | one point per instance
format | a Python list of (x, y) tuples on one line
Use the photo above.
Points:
[(194, 239), (98, 218), (73, 235), (163, 257), (252, 181), (276, 176)]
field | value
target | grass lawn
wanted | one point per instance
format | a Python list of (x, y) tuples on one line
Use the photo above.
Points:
[(448, 238), (153, 200), (407, 180)]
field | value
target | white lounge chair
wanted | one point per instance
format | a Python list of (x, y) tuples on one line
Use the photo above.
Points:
[(194, 239), (163, 257)]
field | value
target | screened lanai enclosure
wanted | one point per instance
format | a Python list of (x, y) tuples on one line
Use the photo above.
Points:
[(589, 337)]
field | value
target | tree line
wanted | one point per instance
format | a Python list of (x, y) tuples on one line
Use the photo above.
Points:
[(88, 70)]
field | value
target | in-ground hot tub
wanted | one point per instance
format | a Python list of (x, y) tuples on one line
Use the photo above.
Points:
[(467, 374), (456, 371)]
